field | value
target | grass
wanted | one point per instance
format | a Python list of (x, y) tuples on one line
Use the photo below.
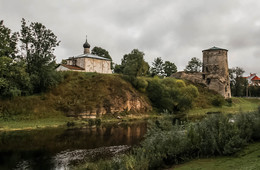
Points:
[(247, 159), (238, 105), (33, 124)]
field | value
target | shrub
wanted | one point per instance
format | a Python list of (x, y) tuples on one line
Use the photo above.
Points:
[(141, 84), (229, 102), (218, 101)]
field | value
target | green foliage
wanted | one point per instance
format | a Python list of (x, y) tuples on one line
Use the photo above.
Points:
[(157, 66), (8, 41), (118, 69), (254, 91), (170, 94), (169, 68), (218, 101), (14, 81), (133, 64), (167, 143), (229, 101), (38, 45), (163, 69), (238, 84), (194, 65)]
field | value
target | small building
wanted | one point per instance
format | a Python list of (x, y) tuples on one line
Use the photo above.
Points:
[(87, 62), (253, 80)]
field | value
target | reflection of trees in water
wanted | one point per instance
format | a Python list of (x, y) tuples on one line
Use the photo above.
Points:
[(38, 146)]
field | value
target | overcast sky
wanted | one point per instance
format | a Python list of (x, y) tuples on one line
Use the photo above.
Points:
[(175, 30)]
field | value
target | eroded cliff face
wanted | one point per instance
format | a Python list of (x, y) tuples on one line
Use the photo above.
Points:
[(98, 95), (130, 101)]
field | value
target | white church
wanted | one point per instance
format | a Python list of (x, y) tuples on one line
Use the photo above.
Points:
[(87, 62)]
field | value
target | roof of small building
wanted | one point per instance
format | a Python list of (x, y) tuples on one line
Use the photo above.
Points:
[(255, 78), (215, 48), (71, 67), (90, 56)]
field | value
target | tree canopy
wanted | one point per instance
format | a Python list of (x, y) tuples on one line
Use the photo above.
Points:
[(8, 41), (157, 67), (161, 68), (30, 68), (133, 64), (169, 68), (238, 84), (194, 65), (38, 44)]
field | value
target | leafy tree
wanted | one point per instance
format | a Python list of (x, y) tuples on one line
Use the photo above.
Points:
[(14, 80), (194, 65), (157, 67), (169, 68), (8, 41), (238, 84), (38, 45), (118, 69), (133, 64)]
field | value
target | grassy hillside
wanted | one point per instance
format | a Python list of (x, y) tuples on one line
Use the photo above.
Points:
[(99, 93), (77, 93)]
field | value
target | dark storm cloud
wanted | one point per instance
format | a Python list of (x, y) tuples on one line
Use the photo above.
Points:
[(175, 30)]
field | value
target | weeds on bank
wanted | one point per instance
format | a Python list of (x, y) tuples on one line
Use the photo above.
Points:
[(168, 142)]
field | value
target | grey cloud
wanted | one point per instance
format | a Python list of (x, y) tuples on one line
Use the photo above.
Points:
[(174, 30)]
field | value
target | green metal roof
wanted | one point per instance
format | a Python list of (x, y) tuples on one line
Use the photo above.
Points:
[(215, 48)]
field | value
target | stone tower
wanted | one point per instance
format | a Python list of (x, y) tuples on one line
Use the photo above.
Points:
[(215, 70)]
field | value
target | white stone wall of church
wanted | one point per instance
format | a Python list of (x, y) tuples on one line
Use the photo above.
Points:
[(99, 66)]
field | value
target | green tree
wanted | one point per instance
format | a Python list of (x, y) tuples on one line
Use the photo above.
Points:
[(38, 44), (238, 84), (118, 69), (133, 64), (8, 41), (169, 68), (194, 65), (14, 80), (157, 67)]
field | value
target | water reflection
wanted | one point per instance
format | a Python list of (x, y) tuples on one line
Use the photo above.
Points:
[(57, 148)]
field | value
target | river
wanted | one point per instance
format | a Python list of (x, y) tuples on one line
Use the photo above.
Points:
[(60, 148)]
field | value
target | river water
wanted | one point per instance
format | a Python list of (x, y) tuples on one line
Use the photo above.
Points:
[(60, 148)]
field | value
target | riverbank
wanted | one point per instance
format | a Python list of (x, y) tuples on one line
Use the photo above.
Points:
[(59, 119), (247, 158), (238, 105)]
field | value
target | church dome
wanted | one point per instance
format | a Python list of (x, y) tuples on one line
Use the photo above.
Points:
[(86, 44)]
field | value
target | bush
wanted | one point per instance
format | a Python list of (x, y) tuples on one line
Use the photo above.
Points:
[(229, 102), (218, 101)]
